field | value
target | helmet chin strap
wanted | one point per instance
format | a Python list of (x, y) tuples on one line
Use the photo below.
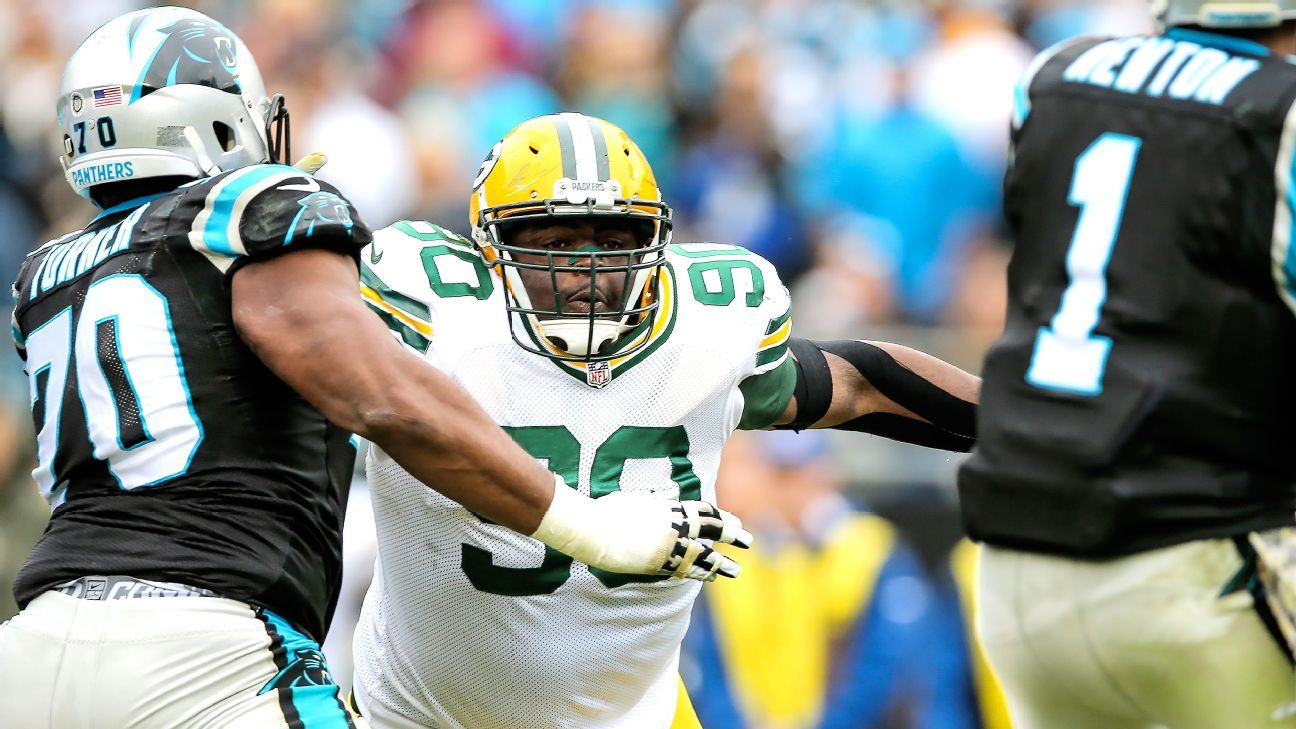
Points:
[(204, 161)]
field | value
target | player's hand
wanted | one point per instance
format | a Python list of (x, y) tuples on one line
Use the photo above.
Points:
[(642, 533), (694, 559)]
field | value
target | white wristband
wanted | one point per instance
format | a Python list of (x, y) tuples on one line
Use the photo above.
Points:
[(620, 532)]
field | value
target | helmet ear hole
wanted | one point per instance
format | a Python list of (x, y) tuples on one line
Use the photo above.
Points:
[(224, 135)]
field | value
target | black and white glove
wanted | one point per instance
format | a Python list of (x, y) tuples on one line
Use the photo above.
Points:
[(644, 534), (694, 559)]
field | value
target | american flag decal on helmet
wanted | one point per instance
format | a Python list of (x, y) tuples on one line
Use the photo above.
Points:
[(107, 96)]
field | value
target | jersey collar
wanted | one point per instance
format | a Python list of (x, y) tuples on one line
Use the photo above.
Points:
[(1217, 40), (128, 205)]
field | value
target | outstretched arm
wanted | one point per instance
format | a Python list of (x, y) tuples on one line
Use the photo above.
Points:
[(885, 389), (301, 314)]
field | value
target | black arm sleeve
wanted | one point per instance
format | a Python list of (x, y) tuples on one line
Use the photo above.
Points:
[(951, 422), (908, 430), (813, 391)]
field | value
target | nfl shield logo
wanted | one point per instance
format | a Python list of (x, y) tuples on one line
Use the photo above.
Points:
[(598, 374)]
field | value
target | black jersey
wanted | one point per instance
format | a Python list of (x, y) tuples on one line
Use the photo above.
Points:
[(1142, 393), (171, 451)]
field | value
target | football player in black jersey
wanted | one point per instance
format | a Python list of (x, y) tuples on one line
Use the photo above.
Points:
[(198, 357), (1136, 413)]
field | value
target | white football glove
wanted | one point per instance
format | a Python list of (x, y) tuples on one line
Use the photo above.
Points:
[(637, 533)]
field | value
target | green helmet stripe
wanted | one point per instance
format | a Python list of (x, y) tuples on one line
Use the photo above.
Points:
[(600, 148), (566, 145)]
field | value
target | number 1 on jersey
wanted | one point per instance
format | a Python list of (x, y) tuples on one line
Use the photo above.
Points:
[(1068, 357)]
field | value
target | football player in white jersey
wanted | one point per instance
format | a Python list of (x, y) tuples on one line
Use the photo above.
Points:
[(624, 363)]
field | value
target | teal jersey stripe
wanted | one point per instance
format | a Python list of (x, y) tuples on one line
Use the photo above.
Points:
[(318, 706), (1021, 101), (293, 638), (128, 205), (1218, 40), (1289, 265), (216, 231)]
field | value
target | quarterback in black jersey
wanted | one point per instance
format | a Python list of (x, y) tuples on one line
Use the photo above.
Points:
[(1135, 424), (194, 356)]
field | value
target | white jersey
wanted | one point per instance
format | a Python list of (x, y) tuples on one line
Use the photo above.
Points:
[(469, 624)]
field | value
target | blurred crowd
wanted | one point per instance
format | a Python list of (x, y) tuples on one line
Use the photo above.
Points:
[(857, 144)]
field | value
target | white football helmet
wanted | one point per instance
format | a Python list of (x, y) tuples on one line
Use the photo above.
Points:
[(165, 92), (1223, 13)]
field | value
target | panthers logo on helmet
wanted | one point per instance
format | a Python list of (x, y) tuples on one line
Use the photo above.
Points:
[(319, 207), (196, 51)]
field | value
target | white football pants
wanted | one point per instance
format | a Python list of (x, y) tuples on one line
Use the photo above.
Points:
[(1140, 642), (161, 663)]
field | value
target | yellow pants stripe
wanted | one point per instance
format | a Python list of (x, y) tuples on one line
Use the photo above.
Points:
[(685, 716)]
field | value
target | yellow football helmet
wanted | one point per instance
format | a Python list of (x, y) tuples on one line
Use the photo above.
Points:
[(565, 165)]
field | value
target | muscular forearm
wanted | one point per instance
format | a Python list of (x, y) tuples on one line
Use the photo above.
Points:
[(960, 385), (460, 452), (906, 382), (301, 316), (884, 389)]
